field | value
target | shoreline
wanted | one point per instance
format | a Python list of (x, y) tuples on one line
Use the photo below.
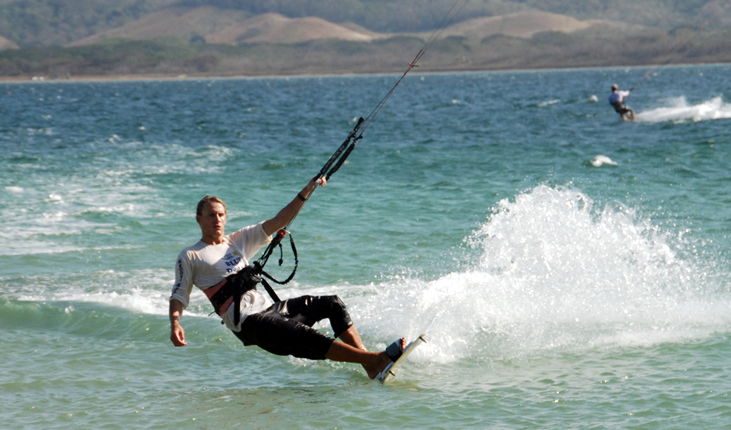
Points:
[(130, 77)]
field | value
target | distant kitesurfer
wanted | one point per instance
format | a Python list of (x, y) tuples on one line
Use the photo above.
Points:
[(282, 328), (616, 99)]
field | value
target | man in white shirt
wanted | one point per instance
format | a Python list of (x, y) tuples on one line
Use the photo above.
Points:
[(282, 328), (616, 99)]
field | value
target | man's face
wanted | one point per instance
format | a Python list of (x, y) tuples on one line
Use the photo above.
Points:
[(212, 221)]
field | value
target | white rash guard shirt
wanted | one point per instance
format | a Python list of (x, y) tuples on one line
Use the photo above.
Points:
[(618, 97), (205, 265)]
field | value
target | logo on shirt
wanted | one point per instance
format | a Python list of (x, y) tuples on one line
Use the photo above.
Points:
[(232, 260)]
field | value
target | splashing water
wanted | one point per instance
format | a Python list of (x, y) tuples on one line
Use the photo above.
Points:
[(554, 274), (601, 160), (680, 111)]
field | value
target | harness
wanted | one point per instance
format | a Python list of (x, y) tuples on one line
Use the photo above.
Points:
[(233, 287), (230, 290)]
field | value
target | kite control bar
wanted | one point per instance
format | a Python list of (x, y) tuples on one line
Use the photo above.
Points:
[(351, 137)]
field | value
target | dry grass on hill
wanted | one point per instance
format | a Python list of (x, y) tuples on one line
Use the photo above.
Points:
[(523, 25), (232, 27), (181, 23), (7, 44), (276, 28)]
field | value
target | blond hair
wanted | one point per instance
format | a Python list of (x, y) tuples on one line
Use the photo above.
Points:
[(208, 199)]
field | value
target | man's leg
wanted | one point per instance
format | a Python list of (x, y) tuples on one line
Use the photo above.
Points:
[(372, 362), (310, 309), (352, 337)]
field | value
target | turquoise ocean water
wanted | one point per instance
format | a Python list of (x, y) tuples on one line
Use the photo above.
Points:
[(569, 270)]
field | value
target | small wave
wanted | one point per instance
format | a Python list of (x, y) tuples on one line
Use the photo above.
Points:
[(89, 320), (548, 103), (601, 160), (680, 111), (141, 291), (127, 208), (211, 152), (272, 165), (40, 131), (593, 99), (136, 300)]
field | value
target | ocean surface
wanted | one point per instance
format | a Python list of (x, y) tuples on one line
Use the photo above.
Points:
[(569, 270)]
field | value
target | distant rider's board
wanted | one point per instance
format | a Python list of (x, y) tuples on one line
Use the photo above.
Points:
[(391, 370)]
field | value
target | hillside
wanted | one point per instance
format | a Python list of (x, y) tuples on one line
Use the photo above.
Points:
[(522, 24), (213, 38), (7, 44), (35, 23), (176, 22), (276, 28), (228, 27)]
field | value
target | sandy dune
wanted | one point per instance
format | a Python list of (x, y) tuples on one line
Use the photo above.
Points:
[(276, 28), (7, 44), (233, 27), (174, 22), (522, 24)]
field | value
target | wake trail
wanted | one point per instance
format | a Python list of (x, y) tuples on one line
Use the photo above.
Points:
[(680, 111)]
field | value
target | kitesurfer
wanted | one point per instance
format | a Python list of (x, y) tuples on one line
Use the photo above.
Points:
[(219, 265), (616, 99)]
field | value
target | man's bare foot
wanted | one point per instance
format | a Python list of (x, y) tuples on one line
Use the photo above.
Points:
[(383, 361)]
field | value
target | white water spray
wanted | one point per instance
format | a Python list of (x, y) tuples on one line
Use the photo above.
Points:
[(554, 273), (680, 111)]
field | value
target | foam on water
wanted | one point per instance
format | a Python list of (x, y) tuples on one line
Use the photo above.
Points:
[(601, 160), (680, 111), (555, 273), (548, 103), (139, 291)]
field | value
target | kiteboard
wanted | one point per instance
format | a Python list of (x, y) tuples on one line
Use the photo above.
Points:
[(393, 367)]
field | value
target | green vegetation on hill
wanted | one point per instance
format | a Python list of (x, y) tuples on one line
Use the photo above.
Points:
[(589, 48), (111, 57), (58, 22)]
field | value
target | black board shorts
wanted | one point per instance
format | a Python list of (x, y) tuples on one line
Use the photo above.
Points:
[(620, 108), (286, 327)]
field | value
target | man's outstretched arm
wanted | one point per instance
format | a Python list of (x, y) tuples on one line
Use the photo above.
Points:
[(286, 215)]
